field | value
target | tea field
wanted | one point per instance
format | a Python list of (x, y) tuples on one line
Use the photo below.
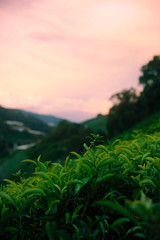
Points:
[(108, 192)]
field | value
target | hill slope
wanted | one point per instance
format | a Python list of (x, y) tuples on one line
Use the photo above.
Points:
[(18, 129), (58, 144), (29, 121), (97, 124), (149, 126), (107, 192), (49, 119)]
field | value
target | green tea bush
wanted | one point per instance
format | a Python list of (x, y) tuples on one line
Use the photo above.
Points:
[(109, 192)]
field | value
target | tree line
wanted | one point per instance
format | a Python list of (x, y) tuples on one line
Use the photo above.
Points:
[(129, 107)]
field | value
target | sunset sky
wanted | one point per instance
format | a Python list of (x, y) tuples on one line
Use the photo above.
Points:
[(67, 57)]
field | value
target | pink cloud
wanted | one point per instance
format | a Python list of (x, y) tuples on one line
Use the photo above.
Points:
[(74, 52), (47, 37)]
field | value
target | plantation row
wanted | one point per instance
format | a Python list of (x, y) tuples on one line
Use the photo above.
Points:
[(109, 192)]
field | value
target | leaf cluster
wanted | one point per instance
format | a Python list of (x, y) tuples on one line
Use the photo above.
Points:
[(109, 192)]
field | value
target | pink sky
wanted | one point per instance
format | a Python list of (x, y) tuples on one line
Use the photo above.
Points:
[(67, 57)]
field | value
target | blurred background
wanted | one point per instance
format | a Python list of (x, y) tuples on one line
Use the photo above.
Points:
[(71, 68)]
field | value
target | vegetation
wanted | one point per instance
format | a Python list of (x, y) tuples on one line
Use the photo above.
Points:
[(106, 193), (130, 108), (29, 121), (124, 112), (66, 137), (150, 79), (11, 163), (45, 118), (97, 125), (11, 137), (149, 126), (99, 191), (56, 145)]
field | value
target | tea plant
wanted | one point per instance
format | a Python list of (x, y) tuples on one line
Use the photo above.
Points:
[(109, 192)]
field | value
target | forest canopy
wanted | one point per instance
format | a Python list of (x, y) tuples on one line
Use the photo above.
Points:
[(130, 107)]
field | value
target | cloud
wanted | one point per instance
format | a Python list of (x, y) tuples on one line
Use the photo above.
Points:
[(74, 54), (75, 109), (48, 37)]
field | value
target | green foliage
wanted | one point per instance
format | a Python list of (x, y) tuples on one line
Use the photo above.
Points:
[(150, 126), (97, 125), (130, 108), (63, 139), (10, 137), (151, 72), (28, 120), (123, 114), (108, 192), (150, 79), (12, 163), (4, 148)]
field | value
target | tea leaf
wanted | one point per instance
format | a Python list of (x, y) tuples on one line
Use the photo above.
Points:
[(120, 221), (104, 177), (30, 161), (117, 207), (51, 227), (147, 181), (7, 197), (33, 191)]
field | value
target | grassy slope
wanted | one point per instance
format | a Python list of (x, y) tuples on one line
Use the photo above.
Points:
[(12, 163), (9, 137), (149, 126), (97, 124), (107, 193), (13, 136), (62, 140)]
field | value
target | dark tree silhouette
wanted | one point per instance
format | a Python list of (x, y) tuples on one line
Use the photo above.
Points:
[(150, 79), (123, 114)]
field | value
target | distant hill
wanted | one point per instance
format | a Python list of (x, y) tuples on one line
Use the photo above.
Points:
[(67, 137), (60, 141), (16, 128), (49, 119), (97, 124), (28, 120)]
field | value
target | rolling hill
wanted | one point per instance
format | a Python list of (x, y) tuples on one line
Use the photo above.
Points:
[(48, 119), (17, 128), (105, 192), (97, 124), (29, 121)]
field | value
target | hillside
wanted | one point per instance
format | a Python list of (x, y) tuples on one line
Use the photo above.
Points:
[(106, 192), (18, 129), (149, 126), (12, 163), (29, 121), (58, 144), (97, 124), (48, 119), (67, 137)]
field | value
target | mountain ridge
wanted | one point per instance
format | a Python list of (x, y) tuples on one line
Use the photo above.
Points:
[(47, 118)]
